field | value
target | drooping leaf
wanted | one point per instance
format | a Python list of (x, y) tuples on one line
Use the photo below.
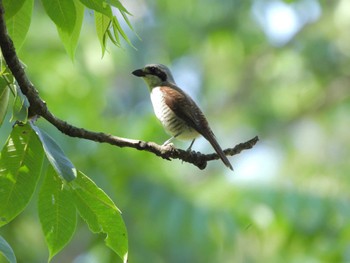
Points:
[(57, 212), (105, 19), (102, 23), (118, 4), (5, 73), (114, 37), (12, 7), (124, 14), (4, 99), (60, 162), (62, 13), (7, 251), (70, 40), (18, 24), (21, 163), (99, 6), (118, 28), (20, 107), (101, 214), (6, 85)]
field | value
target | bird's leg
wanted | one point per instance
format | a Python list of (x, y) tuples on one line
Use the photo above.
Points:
[(169, 140), (190, 148)]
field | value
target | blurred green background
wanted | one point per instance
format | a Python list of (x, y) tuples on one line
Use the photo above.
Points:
[(276, 69)]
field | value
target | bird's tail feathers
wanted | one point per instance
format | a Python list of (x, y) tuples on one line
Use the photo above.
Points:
[(211, 138)]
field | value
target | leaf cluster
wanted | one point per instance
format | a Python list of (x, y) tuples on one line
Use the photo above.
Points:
[(68, 17), (30, 153)]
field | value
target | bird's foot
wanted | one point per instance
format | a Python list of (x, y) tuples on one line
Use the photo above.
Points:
[(168, 144)]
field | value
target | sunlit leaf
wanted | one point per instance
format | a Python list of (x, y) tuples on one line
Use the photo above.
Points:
[(118, 28), (4, 99), (18, 24), (105, 19), (12, 7), (99, 6), (124, 14), (57, 212), (60, 162), (101, 214), (70, 40), (7, 251), (114, 38), (62, 13), (20, 107), (20, 167), (5, 74), (118, 4), (102, 23)]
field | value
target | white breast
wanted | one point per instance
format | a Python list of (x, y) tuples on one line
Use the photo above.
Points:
[(172, 124), (159, 106)]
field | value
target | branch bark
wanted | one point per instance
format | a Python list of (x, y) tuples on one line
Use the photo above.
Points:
[(39, 108)]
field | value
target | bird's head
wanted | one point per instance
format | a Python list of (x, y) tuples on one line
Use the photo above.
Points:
[(155, 75)]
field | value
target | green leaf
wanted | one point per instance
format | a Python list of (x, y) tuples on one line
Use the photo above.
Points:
[(102, 23), (124, 14), (12, 7), (104, 18), (20, 107), (100, 6), (4, 99), (70, 40), (7, 251), (18, 24), (101, 214), (118, 4), (118, 28), (62, 13), (60, 162), (5, 73), (57, 212), (114, 37), (21, 163)]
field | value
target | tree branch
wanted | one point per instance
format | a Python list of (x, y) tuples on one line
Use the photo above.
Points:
[(39, 108)]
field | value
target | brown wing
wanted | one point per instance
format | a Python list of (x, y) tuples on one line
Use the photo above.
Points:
[(185, 108)]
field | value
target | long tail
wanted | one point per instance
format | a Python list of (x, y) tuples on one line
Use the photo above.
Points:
[(211, 138)]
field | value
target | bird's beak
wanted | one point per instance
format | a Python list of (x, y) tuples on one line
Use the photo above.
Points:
[(139, 73)]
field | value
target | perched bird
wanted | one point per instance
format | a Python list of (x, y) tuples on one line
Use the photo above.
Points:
[(179, 114)]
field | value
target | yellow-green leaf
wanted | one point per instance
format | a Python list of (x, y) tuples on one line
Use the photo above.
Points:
[(20, 107), (57, 212), (101, 214), (12, 7), (62, 13), (118, 4), (99, 6), (18, 24), (70, 39), (102, 23), (4, 99), (21, 163)]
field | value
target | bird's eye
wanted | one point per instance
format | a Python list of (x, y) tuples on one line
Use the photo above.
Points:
[(157, 72)]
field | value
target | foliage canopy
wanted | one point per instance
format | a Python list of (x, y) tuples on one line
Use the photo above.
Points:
[(285, 80)]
